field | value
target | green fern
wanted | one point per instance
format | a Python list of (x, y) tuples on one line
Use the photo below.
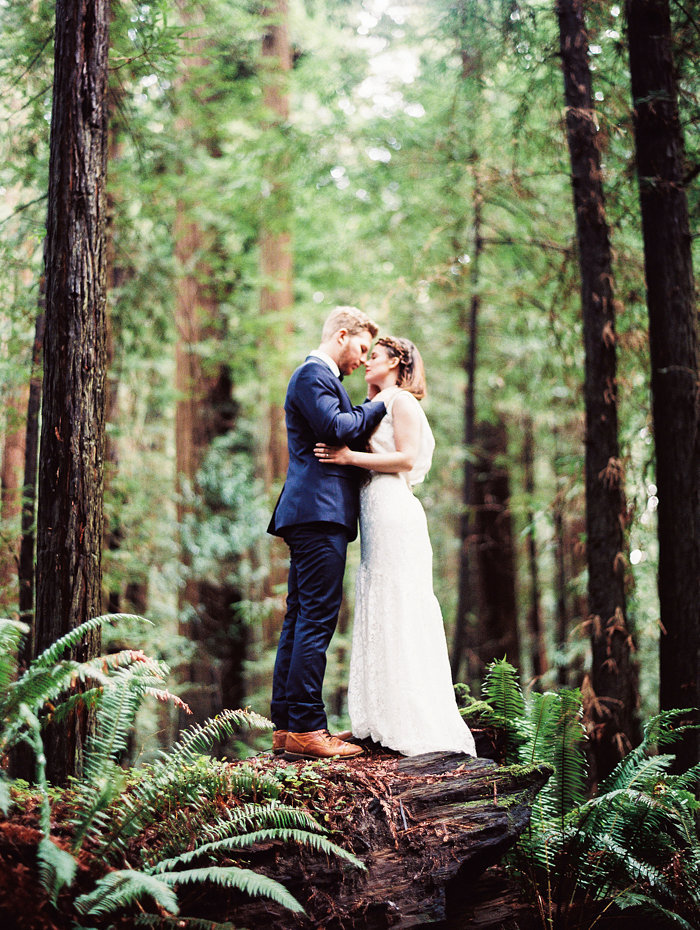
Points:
[(53, 653), (501, 688), (230, 822), (118, 890), (614, 850), (502, 692), (180, 923), (5, 794), (110, 808), (12, 632), (302, 837), (245, 880)]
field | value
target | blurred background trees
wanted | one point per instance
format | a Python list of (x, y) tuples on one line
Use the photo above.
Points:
[(269, 162)]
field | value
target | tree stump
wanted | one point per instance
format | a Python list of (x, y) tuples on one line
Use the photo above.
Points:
[(425, 827)]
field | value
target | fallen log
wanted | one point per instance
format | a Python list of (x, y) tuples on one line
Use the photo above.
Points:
[(425, 827)]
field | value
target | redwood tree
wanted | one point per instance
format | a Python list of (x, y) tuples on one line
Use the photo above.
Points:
[(673, 341), (613, 676), (72, 437)]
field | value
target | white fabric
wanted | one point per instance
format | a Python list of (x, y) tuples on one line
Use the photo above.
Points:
[(400, 689), (317, 353)]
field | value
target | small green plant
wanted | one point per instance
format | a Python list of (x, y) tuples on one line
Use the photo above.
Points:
[(633, 847), (175, 798)]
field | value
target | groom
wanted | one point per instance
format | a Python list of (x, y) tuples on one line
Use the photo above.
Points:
[(316, 515)]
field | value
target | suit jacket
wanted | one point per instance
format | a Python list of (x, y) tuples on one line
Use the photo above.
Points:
[(318, 409)]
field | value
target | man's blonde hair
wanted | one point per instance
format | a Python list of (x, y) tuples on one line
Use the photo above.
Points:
[(349, 318)]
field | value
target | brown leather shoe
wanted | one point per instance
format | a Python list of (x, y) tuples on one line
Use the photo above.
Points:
[(318, 744), (279, 738)]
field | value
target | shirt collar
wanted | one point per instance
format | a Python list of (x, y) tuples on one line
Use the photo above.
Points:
[(317, 353)]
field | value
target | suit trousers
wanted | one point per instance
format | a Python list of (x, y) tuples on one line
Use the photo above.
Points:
[(315, 590)]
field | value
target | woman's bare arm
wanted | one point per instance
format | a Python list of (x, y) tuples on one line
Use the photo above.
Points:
[(406, 436)]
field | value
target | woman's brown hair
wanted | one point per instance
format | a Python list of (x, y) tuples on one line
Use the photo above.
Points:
[(411, 375)]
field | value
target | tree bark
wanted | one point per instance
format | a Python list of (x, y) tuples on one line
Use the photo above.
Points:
[(276, 295), (206, 409), (613, 675), (11, 495), (464, 646), (538, 647), (673, 340), (495, 552), (31, 463), (70, 519)]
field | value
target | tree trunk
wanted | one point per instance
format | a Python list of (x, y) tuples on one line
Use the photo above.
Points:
[(613, 710), (115, 277), (22, 763), (70, 517), (464, 646), (25, 570), (205, 410), (538, 648), (276, 295), (673, 339), (562, 613), (11, 495), (495, 553)]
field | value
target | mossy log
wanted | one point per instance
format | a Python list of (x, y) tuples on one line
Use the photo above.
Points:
[(426, 828)]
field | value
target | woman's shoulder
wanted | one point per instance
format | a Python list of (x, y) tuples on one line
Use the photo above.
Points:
[(405, 405), (404, 400)]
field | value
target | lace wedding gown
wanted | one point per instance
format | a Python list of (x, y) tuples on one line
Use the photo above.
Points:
[(400, 690)]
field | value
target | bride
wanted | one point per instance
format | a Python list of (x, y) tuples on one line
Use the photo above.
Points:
[(400, 690)]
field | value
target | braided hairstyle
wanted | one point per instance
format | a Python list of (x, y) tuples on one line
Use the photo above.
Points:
[(411, 374)]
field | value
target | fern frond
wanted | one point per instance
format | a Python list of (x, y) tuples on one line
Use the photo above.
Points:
[(230, 822), (502, 689), (89, 699), (53, 653), (571, 766), (167, 697), (198, 739), (32, 736), (118, 890), (636, 767), (102, 778), (644, 903), (240, 879), (688, 781), (541, 726), (12, 632), (176, 923), (560, 736), (57, 867), (253, 816), (635, 868), (243, 841), (190, 785)]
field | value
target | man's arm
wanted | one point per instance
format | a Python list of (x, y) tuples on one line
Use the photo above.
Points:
[(319, 404)]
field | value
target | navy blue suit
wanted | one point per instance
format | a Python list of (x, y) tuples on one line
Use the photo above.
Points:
[(317, 515)]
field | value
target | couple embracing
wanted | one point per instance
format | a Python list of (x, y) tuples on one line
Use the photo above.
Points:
[(347, 461)]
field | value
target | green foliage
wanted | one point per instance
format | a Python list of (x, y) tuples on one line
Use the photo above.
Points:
[(634, 845), (182, 794), (502, 692)]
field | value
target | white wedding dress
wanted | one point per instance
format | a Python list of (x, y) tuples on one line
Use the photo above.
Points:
[(400, 689)]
